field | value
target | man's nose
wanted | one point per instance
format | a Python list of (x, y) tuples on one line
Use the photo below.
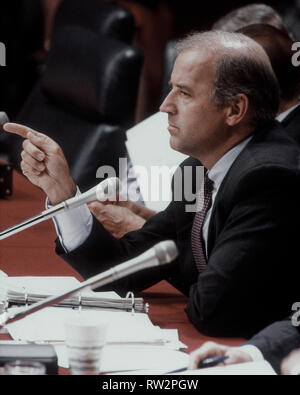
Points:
[(168, 105)]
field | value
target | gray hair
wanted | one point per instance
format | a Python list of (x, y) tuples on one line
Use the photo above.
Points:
[(251, 14), (241, 66)]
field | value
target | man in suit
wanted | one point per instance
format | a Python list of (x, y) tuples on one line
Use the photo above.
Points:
[(278, 46), (276, 343), (238, 255), (263, 24)]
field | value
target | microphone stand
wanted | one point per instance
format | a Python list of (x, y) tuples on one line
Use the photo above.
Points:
[(43, 216), (105, 189)]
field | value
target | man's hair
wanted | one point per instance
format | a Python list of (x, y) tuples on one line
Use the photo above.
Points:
[(278, 46), (249, 15), (241, 66)]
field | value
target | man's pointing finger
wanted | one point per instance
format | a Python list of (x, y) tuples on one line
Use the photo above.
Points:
[(18, 129), (40, 140)]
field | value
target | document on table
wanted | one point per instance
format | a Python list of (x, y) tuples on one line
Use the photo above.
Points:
[(247, 368), (50, 284), (21, 290), (43, 286), (137, 358), (3, 274), (154, 161), (48, 325), (133, 342)]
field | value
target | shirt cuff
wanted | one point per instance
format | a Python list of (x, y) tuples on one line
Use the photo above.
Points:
[(253, 351), (295, 371), (73, 227)]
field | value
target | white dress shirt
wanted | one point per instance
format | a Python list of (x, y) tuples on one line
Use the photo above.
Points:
[(284, 114)]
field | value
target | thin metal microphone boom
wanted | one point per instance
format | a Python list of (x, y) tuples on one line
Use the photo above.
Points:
[(103, 190), (162, 253)]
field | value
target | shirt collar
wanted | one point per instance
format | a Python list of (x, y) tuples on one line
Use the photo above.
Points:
[(284, 114), (220, 168)]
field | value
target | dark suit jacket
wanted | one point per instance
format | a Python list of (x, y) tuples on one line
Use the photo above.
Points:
[(253, 271), (277, 341), (292, 124)]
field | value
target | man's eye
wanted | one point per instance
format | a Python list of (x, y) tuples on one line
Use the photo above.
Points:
[(184, 93)]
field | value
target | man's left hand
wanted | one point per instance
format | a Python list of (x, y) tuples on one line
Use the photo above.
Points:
[(116, 219)]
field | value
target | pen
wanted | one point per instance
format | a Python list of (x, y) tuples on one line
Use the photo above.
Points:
[(211, 361), (205, 363)]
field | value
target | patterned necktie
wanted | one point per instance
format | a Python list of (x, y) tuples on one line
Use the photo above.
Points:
[(203, 203)]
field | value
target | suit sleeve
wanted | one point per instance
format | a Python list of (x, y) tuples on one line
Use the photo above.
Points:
[(276, 341), (251, 279), (102, 251)]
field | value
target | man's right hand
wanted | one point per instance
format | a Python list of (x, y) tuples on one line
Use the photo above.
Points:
[(212, 349), (44, 164)]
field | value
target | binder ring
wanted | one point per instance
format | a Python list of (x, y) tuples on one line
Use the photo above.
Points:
[(25, 296), (79, 302), (130, 295)]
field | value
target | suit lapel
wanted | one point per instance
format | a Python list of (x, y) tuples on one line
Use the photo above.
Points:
[(226, 193)]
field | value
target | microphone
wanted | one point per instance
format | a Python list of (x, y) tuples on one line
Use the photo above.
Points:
[(3, 119), (106, 189), (160, 254)]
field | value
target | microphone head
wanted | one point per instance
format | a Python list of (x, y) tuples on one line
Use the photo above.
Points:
[(108, 189), (166, 251), (3, 118)]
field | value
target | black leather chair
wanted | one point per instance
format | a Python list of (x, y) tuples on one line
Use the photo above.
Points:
[(21, 32), (85, 100), (98, 15)]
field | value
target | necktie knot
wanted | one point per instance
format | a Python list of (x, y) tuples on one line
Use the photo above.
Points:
[(203, 198)]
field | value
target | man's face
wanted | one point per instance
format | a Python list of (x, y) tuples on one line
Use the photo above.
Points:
[(196, 125)]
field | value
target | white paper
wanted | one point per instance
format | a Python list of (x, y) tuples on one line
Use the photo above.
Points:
[(139, 358), (48, 325), (247, 368), (47, 284), (2, 274), (148, 146), (133, 358), (15, 289)]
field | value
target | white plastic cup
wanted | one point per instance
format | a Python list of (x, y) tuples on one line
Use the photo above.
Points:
[(85, 339)]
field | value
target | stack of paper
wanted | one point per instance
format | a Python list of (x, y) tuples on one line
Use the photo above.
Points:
[(48, 325), (136, 357), (137, 343)]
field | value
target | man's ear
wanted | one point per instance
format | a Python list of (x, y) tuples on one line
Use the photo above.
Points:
[(237, 110)]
